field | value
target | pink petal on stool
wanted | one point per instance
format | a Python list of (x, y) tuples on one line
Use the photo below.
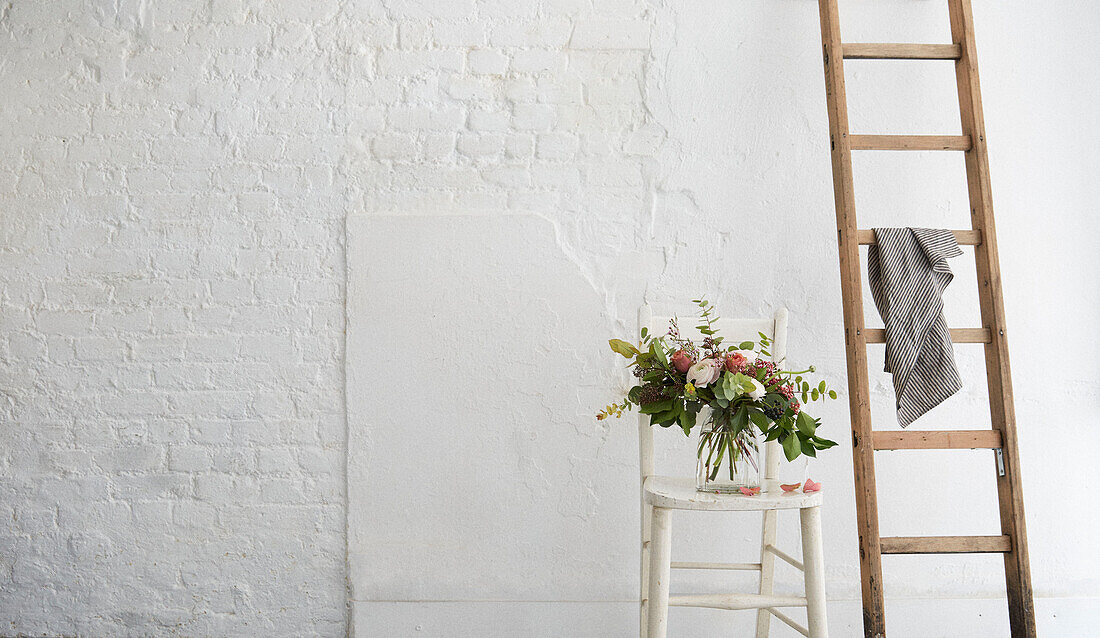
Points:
[(750, 491), (790, 487), (810, 486)]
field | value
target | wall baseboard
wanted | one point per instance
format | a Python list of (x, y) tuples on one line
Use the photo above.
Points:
[(928, 618)]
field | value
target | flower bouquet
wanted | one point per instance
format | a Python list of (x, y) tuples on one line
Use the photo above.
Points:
[(738, 394)]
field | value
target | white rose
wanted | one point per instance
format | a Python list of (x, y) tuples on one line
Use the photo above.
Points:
[(758, 390), (704, 373)]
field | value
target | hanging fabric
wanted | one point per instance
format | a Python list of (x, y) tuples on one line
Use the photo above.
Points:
[(907, 270)]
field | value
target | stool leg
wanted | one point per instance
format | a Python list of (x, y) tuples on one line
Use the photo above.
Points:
[(647, 519), (660, 566), (813, 559), (767, 571)]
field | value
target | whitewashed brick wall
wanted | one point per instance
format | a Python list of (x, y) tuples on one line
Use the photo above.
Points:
[(175, 178), (171, 316)]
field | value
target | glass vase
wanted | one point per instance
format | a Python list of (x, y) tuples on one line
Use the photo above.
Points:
[(728, 462)]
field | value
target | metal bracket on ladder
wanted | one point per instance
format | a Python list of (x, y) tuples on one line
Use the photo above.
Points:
[(1012, 542)]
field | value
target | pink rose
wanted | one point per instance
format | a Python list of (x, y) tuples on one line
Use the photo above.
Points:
[(735, 362), (704, 373), (681, 361)]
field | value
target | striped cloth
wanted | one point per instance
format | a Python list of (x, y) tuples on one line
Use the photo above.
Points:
[(908, 272)]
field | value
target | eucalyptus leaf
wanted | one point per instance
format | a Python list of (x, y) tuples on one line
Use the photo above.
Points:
[(657, 348), (667, 418), (624, 348), (687, 421), (791, 447), (806, 424), (656, 407)]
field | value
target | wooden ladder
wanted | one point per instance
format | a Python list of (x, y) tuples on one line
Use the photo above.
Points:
[(1012, 542)]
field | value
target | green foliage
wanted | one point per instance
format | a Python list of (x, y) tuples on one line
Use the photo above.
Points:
[(656, 407), (792, 447), (657, 350), (624, 348), (687, 421)]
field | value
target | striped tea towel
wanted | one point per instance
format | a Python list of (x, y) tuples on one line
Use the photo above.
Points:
[(908, 273)]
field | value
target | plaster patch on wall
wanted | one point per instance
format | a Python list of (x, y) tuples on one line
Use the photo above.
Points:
[(461, 354)]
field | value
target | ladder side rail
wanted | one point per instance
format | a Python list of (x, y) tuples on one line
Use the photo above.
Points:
[(863, 454), (1002, 411)]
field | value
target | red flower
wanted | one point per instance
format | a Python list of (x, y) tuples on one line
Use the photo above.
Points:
[(681, 361), (735, 362)]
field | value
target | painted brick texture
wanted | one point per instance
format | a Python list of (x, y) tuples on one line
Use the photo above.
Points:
[(171, 316), (175, 179), (177, 182)]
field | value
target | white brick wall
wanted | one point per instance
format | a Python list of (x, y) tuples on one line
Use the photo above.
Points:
[(171, 318), (174, 182)]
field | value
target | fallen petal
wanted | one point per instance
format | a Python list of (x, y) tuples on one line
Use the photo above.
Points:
[(790, 487), (750, 491), (810, 486)]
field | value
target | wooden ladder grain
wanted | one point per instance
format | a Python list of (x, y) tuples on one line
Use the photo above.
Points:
[(1012, 542)]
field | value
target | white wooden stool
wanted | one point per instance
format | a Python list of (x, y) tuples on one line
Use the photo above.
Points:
[(661, 495)]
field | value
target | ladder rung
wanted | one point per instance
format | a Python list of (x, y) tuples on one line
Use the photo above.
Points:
[(734, 566), (866, 237), (937, 440), (876, 51), (946, 545), (958, 335), (910, 142), (736, 601)]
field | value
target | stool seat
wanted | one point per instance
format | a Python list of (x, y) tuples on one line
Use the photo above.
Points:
[(680, 494)]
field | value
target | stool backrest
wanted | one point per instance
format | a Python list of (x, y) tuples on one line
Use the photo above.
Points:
[(734, 331)]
